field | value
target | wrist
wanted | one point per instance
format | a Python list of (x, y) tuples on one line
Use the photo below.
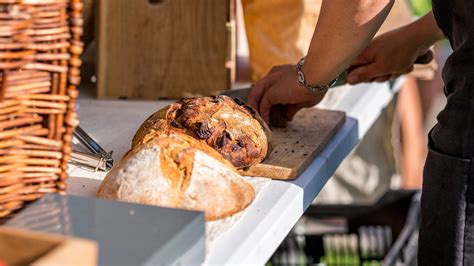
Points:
[(312, 87), (306, 94), (314, 74)]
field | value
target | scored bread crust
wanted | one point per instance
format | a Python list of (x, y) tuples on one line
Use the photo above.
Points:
[(178, 171), (233, 129)]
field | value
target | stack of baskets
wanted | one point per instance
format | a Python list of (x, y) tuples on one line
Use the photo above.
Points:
[(40, 48)]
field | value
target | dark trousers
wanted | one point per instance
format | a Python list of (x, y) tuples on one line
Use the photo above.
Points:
[(447, 211)]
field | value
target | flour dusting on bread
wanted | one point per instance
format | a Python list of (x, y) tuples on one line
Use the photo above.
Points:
[(181, 172)]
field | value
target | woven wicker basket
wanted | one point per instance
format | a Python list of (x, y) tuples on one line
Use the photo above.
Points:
[(40, 47)]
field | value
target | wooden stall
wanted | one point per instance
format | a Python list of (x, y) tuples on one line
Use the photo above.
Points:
[(151, 49)]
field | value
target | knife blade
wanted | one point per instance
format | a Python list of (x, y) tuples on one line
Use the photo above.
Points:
[(240, 93)]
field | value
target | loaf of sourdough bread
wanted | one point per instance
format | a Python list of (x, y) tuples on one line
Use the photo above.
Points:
[(176, 170), (233, 129)]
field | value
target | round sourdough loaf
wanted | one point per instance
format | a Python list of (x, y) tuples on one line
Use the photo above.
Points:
[(178, 171), (233, 129)]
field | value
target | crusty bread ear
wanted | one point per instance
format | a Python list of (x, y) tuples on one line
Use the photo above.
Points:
[(236, 131), (178, 171)]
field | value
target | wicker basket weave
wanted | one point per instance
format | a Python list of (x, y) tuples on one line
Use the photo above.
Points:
[(40, 47)]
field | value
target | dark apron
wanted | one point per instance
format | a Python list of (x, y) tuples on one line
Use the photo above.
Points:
[(447, 211), (447, 204)]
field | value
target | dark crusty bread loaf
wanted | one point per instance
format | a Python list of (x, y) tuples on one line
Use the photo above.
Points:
[(233, 129), (178, 171)]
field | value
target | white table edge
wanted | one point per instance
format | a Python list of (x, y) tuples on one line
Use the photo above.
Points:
[(254, 238)]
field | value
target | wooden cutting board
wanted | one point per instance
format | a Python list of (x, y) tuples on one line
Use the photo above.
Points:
[(296, 146)]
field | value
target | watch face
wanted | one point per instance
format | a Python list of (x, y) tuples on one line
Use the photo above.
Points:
[(300, 77)]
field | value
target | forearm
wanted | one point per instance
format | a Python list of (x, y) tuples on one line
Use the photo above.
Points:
[(424, 31), (344, 29)]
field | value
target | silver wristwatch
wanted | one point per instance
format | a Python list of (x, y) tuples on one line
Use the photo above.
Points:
[(302, 79)]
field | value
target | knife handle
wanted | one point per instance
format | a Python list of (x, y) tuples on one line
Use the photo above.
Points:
[(425, 58)]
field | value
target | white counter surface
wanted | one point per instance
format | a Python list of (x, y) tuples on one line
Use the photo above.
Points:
[(279, 205)]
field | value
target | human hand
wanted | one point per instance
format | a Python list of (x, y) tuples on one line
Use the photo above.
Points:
[(387, 57), (280, 87)]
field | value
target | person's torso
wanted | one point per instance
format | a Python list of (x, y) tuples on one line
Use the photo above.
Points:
[(454, 133), (456, 20)]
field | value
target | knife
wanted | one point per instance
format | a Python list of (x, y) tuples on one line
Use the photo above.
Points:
[(424, 59)]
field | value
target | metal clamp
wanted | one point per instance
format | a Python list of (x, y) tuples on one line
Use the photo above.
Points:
[(99, 159)]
